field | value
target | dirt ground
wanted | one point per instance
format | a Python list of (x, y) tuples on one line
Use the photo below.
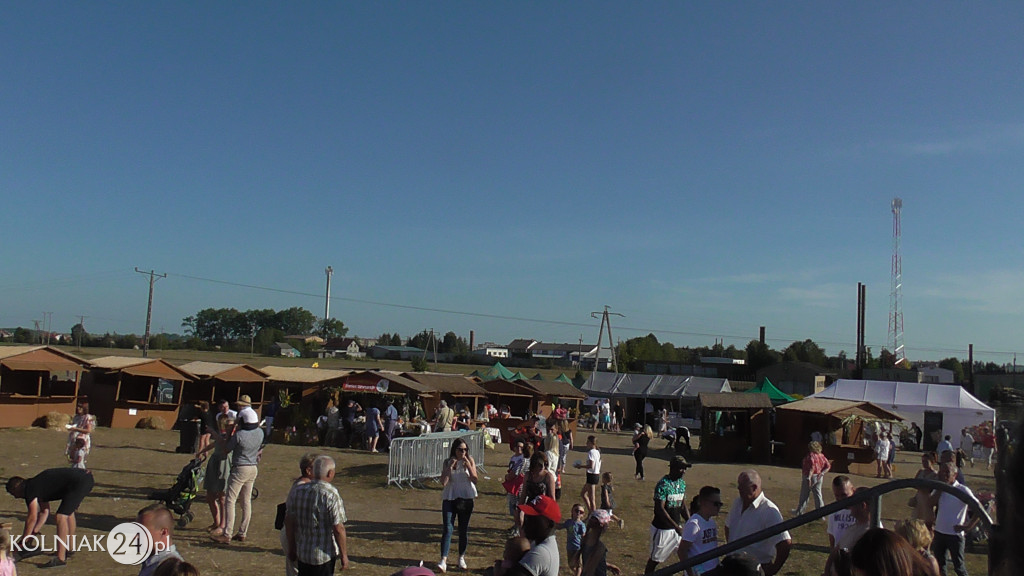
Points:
[(390, 528)]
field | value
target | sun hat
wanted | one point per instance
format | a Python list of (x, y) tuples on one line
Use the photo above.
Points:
[(244, 400), (603, 517)]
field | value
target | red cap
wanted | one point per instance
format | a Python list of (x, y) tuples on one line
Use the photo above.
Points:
[(545, 506)]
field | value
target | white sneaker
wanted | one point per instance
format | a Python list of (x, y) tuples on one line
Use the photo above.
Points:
[(443, 565), (462, 563)]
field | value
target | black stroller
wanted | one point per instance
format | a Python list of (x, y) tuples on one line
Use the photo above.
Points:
[(178, 498)]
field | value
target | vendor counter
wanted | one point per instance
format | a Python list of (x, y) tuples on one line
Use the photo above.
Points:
[(850, 459)]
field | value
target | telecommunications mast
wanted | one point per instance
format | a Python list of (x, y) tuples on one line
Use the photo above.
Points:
[(895, 338)]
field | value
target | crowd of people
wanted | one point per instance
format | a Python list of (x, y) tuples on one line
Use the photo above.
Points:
[(312, 519)]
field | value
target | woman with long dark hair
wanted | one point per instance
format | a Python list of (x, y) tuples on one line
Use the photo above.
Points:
[(458, 476), (881, 552), (641, 439)]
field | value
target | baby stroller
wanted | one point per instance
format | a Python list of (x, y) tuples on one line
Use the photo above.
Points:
[(178, 498)]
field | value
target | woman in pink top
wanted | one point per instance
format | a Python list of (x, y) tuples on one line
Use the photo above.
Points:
[(814, 469)]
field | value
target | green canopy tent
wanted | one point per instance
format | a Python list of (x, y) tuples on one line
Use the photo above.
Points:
[(774, 394), (496, 372), (563, 378), (518, 376), (537, 376)]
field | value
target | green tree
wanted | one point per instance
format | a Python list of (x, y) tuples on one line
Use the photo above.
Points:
[(886, 359), (421, 341), (296, 320), (759, 355), (419, 364), (79, 336), (331, 328), (806, 351), (452, 343)]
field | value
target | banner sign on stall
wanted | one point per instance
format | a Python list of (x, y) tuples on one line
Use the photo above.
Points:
[(381, 387)]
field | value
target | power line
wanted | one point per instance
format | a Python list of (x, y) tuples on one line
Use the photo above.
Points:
[(737, 337)]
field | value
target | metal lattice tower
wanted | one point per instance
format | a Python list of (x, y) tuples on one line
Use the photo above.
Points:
[(895, 338)]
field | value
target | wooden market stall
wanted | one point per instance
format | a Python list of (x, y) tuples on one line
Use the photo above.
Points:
[(735, 427), (218, 380), (842, 425), (556, 391), (124, 390), (455, 389), (37, 380)]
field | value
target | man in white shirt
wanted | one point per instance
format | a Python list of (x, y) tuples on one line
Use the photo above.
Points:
[(967, 446), (838, 522), (951, 522), (753, 512), (862, 523)]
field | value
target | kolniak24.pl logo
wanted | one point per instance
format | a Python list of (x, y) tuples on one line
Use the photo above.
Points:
[(128, 543)]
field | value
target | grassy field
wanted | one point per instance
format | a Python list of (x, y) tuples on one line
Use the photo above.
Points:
[(178, 357), (389, 528)]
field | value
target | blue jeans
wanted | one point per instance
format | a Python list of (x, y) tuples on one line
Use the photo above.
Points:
[(954, 544), (450, 510)]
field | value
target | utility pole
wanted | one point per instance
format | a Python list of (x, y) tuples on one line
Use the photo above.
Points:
[(48, 325), (81, 325), (606, 321), (327, 301), (38, 333), (153, 277)]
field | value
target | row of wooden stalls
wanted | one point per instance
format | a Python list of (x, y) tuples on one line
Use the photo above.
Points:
[(761, 427), (37, 380)]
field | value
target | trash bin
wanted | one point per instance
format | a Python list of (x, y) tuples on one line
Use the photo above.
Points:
[(188, 441)]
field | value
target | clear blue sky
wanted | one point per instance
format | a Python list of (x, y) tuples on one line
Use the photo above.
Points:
[(702, 167)]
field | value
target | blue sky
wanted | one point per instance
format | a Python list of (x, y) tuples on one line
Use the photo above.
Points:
[(704, 168)]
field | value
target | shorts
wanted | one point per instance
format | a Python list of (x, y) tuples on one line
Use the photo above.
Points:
[(605, 419), (594, 479), (73, 498), (575, 559), (663, 544)]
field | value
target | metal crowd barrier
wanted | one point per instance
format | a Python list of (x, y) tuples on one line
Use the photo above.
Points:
[(417, 458)]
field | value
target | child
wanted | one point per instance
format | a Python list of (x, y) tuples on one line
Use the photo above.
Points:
[(575, 529), (593, 466), (77, 453), (515, 549), (6, 561), (608, 498), (594, 553), (514, 477)]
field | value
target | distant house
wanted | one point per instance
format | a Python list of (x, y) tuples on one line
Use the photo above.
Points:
[(283, 349), (801, 378), (347, 346), (566, 354), (492, 351), (935, 375), (395, 352)]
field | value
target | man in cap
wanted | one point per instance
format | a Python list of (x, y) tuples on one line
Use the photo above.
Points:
[(245, 446), (670, 514), (753, 512), (541, 515)]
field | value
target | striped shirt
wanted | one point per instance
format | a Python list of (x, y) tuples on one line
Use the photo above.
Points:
[(316, 508)]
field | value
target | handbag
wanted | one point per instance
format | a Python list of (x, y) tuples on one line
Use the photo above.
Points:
[(282, 511)]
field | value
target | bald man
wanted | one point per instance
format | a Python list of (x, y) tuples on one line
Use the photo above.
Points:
[(753, 512), (160, 523)]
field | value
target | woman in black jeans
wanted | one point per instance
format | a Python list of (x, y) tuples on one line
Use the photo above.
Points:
[(458, 476), (640, 440)]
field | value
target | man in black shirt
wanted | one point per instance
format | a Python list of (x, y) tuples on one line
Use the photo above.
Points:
[(69, 485)]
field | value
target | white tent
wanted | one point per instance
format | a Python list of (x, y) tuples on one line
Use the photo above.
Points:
[(950, 408)]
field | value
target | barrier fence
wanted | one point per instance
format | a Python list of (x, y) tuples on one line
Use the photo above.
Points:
[(417, 458)]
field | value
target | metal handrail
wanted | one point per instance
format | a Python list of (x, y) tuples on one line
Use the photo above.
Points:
[(874, 494)]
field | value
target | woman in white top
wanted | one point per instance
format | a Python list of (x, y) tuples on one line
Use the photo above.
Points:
[(458, 476), (593, 466), (700, 533)]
